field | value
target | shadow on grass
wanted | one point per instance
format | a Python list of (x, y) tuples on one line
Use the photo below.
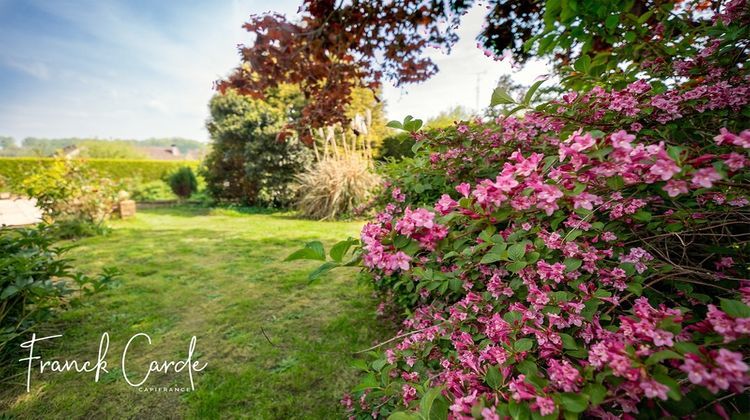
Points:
[(221, 279)]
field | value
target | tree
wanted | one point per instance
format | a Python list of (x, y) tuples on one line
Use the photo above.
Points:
[(106, 149), (247, 164), (7, 142), (448, 117), (335, 46)]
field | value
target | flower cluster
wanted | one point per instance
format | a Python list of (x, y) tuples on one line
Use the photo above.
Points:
[(587, 258)]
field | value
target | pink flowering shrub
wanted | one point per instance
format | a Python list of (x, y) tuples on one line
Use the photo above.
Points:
[(589, 258)]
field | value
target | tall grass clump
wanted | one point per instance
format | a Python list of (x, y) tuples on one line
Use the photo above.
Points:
[(342, 178)]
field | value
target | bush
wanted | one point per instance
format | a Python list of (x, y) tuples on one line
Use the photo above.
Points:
[(589, 258), (70, 190), (34, 279), (396, 147), (151, 191), (15, 170), (247, 163), (336, 186), (183, 182), (273, 166)]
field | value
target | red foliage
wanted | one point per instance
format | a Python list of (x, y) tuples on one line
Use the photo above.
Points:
[(332, 49)]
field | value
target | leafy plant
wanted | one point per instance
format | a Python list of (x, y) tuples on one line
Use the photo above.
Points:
[(183, 182), (35, 280), (587, 258), (70, 190), (336, 186)]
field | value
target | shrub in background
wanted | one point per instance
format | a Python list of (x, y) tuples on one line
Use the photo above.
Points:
[(69, 190), (247, 164), (336, 186), (273, 166), (183, 182), (396, 147), (35, 279), (17, 169), (150, 191)]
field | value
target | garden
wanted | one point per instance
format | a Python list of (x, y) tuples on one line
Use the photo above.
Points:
[(576, 249)]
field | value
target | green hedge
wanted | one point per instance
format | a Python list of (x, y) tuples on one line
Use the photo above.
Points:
[(14, 170)]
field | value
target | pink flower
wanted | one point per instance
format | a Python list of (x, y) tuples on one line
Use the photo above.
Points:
[(653, 389), (564, 376), (505, 183), (735, 161), (621, 140), (400, 260), (545, 405), (724, 262), (463, 189), (446, 204), (586, 201), (408, 393), (397, 195), (705, 177), (675, 188), (725, 136), (664, 168), (582, 142)]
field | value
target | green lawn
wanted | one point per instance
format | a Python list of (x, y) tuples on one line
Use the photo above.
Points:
[(218, 275)]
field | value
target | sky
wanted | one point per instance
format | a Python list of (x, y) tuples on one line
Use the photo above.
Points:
[(139, 69)]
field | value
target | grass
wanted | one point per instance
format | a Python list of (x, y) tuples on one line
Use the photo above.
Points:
[(218, 275)]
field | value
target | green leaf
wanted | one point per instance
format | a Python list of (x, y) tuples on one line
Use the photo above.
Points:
[(9, 291), (340, 249), (523, 344), (687, 347), (735, 308), (425, 404), (630, 36), (494, 255), (575, 403), (662, 355), (568, 341), (516, 266), (582, 64), (403, 415), (642, 216), (517, 251), (612, 21), (493, 377), (324, 268), (395, 124), (512, 316), (501, 97), (412, 125), (616, 182), (572, 264), (532, 90), (674, 388), (312, 251), (596, 392), (519, 410), (636, 288)]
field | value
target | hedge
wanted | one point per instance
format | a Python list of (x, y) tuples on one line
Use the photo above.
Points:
[(13, 170)]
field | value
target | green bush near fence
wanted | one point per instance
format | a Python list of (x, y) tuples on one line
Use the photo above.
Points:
[(14, 170)]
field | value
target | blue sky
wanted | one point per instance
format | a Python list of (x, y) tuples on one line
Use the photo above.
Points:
[(139, 69)]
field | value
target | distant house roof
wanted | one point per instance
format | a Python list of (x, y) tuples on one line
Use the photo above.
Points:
[(68, 151), (162, 153)]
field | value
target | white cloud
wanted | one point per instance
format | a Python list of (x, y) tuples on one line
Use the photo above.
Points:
[(466, 77), (33, 68), (127, 74)]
